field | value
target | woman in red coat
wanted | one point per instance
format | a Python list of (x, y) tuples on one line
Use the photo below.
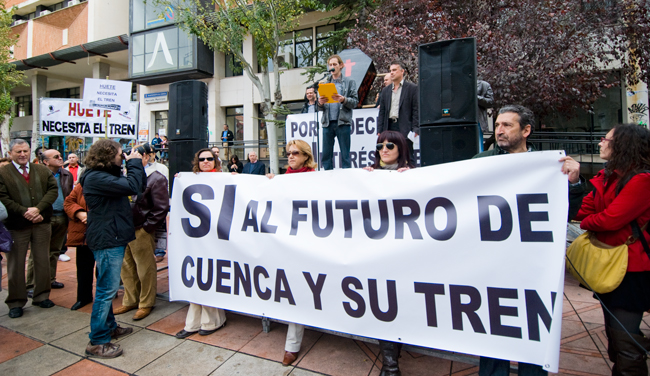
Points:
[(75, 207), (621, 195)]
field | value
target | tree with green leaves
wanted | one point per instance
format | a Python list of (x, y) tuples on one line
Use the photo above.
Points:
[(9, 76), (224, 25)]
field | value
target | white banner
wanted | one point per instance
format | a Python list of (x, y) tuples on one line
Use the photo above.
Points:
[(465, 257), (107, 94), (68, 117), (363, 138)]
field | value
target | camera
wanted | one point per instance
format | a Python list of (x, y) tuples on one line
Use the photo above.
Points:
[(142, 149)]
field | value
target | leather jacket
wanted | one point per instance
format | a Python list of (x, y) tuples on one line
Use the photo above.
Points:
[(150, 208)]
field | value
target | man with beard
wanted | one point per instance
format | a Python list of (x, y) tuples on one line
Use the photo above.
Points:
[(513, 127)]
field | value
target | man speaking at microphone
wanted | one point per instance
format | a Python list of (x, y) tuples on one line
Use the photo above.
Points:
[(337, 117)]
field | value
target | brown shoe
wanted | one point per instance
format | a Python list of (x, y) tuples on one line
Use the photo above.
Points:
[(106, 350), (289, 357), (159, 259), (142, 313), (119, 332), (123, 309)]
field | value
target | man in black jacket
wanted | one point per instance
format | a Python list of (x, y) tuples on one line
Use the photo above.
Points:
[(139, 271), (110, 229), (398, 107)]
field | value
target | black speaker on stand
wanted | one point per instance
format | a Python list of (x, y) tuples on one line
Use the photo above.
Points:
[(448, 103), (187, 127)]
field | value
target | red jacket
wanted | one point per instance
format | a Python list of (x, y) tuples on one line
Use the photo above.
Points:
[(74, 203), (609, 215)]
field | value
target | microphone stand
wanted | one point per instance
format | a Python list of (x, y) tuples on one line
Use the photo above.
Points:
[(315, 86)]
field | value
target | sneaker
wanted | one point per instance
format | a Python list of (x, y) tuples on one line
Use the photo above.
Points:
[(106, 350), (63, 257)]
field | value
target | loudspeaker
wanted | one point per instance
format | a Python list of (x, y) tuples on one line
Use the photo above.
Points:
[(447, 82), (448, 143), (181, 155), (188, 111)]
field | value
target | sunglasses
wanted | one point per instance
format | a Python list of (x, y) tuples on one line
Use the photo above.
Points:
[(389, 145), (603, 139), (209, 159), (56, 157), (294, 153)]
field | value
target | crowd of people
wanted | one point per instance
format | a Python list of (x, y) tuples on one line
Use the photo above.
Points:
[(111, 208)]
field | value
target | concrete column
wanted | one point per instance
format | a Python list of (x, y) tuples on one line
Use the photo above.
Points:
[(39, 88)]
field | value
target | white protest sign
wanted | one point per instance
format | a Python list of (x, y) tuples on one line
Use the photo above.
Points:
[(68, 117), (107, 94), (363, 138), (465, 256)]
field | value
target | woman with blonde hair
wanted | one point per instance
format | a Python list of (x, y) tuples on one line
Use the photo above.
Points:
[(300, 160)]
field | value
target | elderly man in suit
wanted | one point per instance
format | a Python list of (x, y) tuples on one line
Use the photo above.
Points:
[(254, 166), (28, 191), (398, 107)]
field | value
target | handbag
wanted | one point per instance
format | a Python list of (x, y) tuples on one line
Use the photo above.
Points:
[(595, 264), (5, 239)]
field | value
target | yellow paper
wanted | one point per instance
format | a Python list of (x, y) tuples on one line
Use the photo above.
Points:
[(327, 90)]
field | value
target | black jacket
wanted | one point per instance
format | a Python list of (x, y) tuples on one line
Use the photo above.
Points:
[(110, 220), (408, 116)]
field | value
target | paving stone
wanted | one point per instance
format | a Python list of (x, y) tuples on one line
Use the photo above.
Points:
[(140, 349), (76, 342), (13, 344), (242, 364), (44, 360), (350, 359), (161, 310), (87, 367), (48, 324), (189, 358)]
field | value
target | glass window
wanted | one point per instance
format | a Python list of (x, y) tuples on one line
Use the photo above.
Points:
[(160, 122), (149, 16), (304, 47), (70, 93), (233, 66), (23, 106), (322, 33), (162, 50), (286, 52), (235, 121)]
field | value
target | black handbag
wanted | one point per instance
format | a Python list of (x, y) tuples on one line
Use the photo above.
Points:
[(5, 239)]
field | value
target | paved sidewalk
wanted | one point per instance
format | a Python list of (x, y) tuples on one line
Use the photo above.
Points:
[(52, 342)]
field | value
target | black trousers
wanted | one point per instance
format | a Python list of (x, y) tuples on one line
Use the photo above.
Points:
[(85, 270)]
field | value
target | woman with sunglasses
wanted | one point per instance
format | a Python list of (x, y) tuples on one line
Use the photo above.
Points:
[(203, 319), (300, 160), (620, 199), (392, 154)]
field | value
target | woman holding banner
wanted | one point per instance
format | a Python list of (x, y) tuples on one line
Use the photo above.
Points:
[(203, 319), (392, 154), (300, 160), (620, 198)]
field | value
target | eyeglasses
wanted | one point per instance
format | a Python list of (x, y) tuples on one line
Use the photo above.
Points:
[(294, 153), (209, 159), (56, 156), (603, 139), (389, 146)]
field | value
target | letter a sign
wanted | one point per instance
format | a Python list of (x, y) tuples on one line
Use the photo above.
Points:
[(160, 43)]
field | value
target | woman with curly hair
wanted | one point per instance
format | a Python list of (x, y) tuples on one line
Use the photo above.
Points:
[(618, 202), (202, 319)]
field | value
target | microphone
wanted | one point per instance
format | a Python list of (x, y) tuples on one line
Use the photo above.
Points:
[(331, 70)]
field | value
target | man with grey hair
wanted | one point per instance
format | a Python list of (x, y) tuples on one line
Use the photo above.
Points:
[(28, 191), (512, 128)]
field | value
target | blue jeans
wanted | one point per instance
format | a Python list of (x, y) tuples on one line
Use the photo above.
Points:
[(109, 266), (342, 133), (159, 252), (500, 367)]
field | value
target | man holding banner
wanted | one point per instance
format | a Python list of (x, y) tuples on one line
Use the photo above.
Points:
[(512, 128)]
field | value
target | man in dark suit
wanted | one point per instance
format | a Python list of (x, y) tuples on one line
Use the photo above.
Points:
[(254, 166), (398, 107), (28, 191)]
